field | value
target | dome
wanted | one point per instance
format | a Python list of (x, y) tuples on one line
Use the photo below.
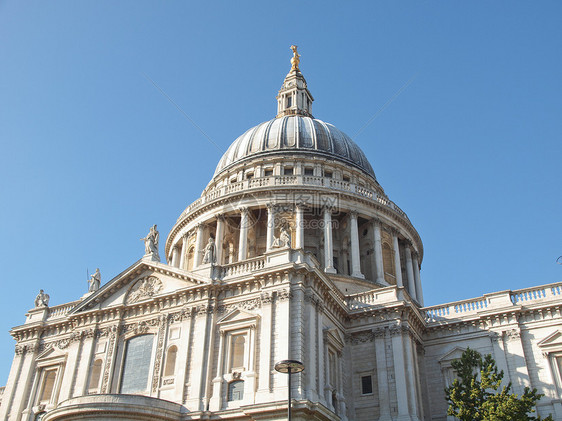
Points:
[(295, 134)]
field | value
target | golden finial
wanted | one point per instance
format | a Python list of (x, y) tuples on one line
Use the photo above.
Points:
[(295, 60)]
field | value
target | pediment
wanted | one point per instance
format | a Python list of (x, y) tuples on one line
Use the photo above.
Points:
[(237, 318), (51, 355), (552, 341), (453, 354), (334, 337), (143, 281)]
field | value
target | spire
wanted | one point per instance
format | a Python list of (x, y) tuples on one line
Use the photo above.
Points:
[(294, 97)]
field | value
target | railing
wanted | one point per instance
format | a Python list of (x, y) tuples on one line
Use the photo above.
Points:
[(61, 310), (372, 297), (283, 180), (464, 308), (246, 266)]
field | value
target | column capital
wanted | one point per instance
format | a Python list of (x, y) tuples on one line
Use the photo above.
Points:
[(394, 231), (408, 244), (244, 210), (220, 217), (328, 208), (376, 221), (353, 213), (199, 225)]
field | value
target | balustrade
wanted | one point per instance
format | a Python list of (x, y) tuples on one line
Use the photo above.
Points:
[(283, 180)]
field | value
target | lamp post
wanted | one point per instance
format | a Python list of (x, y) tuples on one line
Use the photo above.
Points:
[(289, 367)]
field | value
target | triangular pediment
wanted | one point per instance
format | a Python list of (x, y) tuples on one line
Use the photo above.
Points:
[(554, 340), (334, 337), (142, 281), (453, 354), (236, 316), (50, 355)]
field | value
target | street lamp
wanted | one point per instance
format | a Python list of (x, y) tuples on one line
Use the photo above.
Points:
[(289, 367)]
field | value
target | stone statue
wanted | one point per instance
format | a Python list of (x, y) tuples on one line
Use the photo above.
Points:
[(151, 242), (210, 255), (296, 58), (284, 238), (42, 299), (94, 281)]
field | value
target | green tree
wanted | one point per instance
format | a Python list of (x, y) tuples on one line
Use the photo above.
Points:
[(476, 395)]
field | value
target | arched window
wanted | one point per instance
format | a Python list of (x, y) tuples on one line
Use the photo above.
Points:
[(237, 351), (136, 367), (171, 361), (95, 376), (236, 390)]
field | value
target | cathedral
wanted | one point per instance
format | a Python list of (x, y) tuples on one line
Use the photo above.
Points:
[(293, 252)]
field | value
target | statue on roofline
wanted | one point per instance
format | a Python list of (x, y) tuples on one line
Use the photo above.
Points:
[(151, 242), (42, 299), (94, 281)]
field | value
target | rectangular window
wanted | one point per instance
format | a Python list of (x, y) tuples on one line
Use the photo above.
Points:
[(289, 101), (366, 385), (137, 364), (249, 175), (268, 173), (237, 352), (309, 171), (328, 174), (346, 178), (287, 171), (48, 386)]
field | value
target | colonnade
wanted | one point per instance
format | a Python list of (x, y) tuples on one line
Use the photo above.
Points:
[(412, 268)]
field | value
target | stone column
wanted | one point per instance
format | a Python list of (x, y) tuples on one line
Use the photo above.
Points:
[(400, 374), (417, 279), (397, 266), (411, 377), (410, 272), (26, 375), (299, 222), (328, 243), (378, 252), (355, 256), (243, 241), (266, 353), (311, 339), (382, 376), (219, 237), (175, 257), (270, 226), (215, 402), (320, 360), (183, 251), (198, 245)]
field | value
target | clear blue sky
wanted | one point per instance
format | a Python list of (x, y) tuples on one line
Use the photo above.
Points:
[(93, 154)]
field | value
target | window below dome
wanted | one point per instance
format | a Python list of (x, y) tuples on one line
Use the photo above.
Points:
[(268, 173), (328, 174), (249, 175), (309, 171), (288, 171), (289, 101)]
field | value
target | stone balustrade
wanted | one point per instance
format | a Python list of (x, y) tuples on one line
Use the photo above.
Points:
[(504, 299), (61, 310), (243, 267), (374, 297), (292, 180)]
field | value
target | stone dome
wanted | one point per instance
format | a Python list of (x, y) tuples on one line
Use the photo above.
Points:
[(295, 134)]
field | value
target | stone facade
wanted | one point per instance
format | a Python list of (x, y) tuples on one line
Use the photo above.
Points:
[(293, 251)]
